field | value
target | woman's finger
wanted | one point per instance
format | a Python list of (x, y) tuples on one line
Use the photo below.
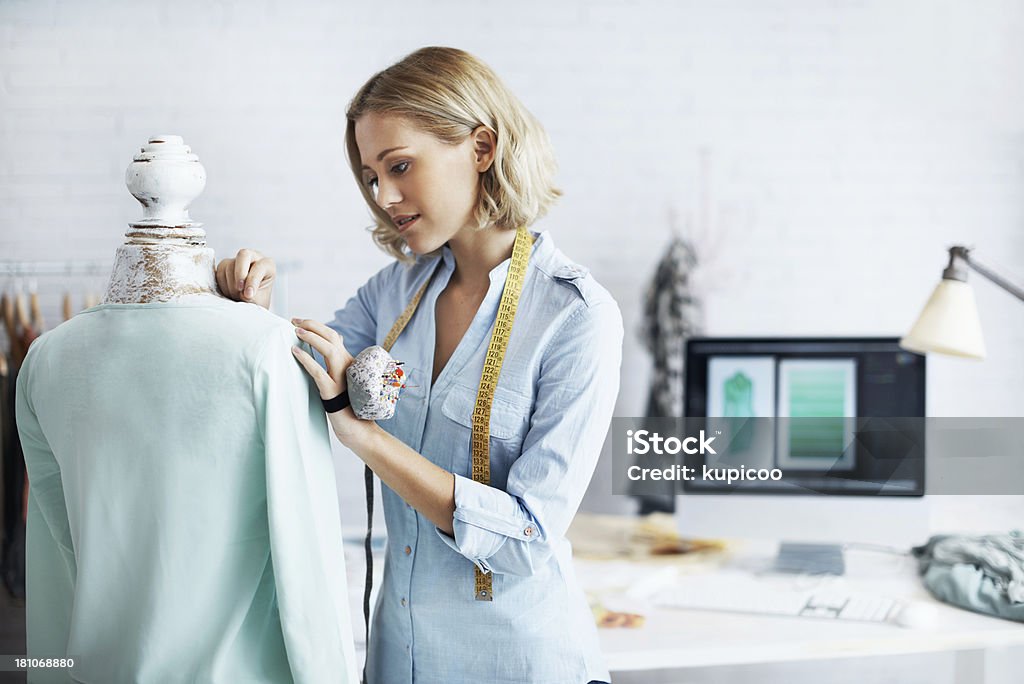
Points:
[(342, 422), (222, 285), (225, 283), (243, 261), (334, 354), (326, 332), (260, 277), (326, 386), (316, 342)]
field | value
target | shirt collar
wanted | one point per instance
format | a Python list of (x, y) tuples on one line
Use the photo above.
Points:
[(541, 250)]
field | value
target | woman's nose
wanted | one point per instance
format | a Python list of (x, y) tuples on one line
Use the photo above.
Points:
[(387, 194)]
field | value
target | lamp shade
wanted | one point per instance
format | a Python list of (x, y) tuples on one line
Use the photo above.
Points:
[(949, 323)]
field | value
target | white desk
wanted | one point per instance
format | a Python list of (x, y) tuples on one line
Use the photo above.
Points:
[(672, 640)]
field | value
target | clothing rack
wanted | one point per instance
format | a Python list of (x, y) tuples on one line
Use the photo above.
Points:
[(18, 268)]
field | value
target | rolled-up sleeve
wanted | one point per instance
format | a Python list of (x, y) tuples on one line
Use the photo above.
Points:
[(511, 531)]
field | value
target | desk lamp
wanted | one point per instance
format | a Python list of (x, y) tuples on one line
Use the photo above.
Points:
[(949, 322)]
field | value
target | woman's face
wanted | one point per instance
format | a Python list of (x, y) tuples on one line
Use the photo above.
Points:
[(427, 187)]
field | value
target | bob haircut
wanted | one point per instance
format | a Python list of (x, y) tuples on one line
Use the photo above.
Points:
[(449, 93)]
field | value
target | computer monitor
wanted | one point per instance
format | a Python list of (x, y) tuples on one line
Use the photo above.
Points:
[(818, 410)]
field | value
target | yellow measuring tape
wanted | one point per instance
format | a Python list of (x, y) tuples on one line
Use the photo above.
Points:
[(481, 444)]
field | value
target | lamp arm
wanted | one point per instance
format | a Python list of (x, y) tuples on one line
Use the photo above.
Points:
[(964, 254)]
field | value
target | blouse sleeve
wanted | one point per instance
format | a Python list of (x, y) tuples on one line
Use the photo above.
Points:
[(49, 547), (510, 531)]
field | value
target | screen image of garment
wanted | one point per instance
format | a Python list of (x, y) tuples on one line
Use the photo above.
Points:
[(183, 518)]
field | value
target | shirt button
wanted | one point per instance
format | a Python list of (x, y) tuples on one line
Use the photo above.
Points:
[(403, 602), (528, 531), (408, 550)]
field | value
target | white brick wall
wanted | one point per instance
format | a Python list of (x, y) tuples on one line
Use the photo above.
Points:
[(849, 143)]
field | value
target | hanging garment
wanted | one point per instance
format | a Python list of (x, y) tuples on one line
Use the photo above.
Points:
[(10, 459), (66, 308), (7, 427), (183, 519), (672, 314), (12, 568)]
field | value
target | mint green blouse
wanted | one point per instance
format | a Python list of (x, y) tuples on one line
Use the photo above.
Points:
[(183, 518)]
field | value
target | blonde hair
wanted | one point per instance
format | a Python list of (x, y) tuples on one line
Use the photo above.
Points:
[(449, 93)]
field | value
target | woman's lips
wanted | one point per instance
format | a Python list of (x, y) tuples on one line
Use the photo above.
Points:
[(402, 227)]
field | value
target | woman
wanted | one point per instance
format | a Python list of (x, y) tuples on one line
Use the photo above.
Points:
[(478, 581)]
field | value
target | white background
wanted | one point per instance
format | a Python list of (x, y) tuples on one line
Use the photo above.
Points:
[(823, 155)]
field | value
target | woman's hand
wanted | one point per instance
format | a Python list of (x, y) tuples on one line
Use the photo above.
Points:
[(330, 382), (249, 277)]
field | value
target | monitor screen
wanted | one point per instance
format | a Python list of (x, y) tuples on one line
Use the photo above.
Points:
[(836, 415)]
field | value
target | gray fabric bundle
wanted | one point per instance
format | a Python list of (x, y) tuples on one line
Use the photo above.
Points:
[(982, 573)]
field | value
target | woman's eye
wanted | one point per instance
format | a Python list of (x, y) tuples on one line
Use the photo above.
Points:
[(400, 167), (371, 183)]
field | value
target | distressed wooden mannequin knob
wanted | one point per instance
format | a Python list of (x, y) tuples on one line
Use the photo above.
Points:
[(165, 255), (165, 176)]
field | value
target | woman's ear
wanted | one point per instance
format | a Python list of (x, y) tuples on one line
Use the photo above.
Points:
[(484, 145)]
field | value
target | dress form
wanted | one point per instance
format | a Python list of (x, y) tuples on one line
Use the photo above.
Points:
[(164, 256)]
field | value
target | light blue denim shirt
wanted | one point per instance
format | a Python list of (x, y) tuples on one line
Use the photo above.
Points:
[(551, 412)]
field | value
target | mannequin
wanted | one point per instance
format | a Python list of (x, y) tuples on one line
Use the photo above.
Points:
[(182, 514)]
